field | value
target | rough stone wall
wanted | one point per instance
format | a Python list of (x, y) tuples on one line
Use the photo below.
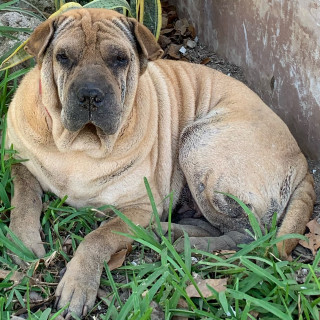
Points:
[(277, 43)]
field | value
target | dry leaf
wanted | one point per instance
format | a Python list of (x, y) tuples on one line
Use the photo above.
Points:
[(181, 26), (157, 312), (164, 41), (35, 297), (67, 246), (4, 215), (205, 61), (255, 314), (179, 318), (50, 260), (105, 297), (217, 284), (164, 4), (101, 293), (166, 31), (313, 236), (118, 258), (173, 51), (314, 226), (16, 276), (182, 304), (225, 253), (172, 15), (192, 30), (40, 302), (164, 21)]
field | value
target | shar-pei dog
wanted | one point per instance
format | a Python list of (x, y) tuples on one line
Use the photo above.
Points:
[(101, 111)]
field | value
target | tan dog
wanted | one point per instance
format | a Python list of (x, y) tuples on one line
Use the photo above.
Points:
[(97, 115)]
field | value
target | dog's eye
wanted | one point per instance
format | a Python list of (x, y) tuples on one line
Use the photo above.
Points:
[(62, 57), (121, 60)]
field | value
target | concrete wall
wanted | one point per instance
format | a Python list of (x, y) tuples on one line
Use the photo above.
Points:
[(277, 43)]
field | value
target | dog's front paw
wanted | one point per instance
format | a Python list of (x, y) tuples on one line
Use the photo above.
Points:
[(31, 239), (78, 287)]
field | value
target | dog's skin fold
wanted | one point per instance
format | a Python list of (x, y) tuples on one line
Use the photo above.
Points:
[(100, 111)]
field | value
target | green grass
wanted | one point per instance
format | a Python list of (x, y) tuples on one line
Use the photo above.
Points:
[(258, 281)]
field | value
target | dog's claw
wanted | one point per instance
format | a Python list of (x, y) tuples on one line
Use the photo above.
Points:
[(56, 302), (85, 310), (78, 287), (68, 316), (62, 272)]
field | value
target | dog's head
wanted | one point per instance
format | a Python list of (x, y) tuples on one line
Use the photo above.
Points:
[(92, 59)]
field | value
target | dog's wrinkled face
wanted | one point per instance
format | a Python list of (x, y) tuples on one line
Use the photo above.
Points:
[(95, 59), (92, 82)]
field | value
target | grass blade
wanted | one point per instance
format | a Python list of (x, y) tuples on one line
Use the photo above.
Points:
[(8, 4), (253, 220), (112, 284), (265, 305)]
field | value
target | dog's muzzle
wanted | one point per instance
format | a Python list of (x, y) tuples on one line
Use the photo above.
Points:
[(93, 102), (90, 98)]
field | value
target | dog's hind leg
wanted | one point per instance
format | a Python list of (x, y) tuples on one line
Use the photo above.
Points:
[(297, 214), (199, 160), (193, 227), (203, 236), (268, 175), (228, 241)]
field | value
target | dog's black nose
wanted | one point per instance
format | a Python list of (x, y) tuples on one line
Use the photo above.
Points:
[(90, 97)]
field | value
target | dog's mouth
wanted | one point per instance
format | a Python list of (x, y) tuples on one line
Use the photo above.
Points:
[(106, 123), (91, 129), (88, 138)]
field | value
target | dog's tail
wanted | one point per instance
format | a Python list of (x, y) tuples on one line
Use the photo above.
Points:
[(298, 213)]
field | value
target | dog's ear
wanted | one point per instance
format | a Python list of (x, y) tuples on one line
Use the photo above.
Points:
[(148, 47), (40, 39)]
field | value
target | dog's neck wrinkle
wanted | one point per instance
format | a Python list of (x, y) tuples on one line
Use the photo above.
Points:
[(33, 113), (46, 112), (133, 138)]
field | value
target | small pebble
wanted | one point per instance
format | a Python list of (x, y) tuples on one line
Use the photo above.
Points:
[(191, 44), (183, 50)]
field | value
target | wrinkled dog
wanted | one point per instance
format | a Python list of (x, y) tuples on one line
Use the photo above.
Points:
[(100, 111)]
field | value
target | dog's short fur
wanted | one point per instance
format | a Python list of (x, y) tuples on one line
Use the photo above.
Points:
[(100, 111)]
